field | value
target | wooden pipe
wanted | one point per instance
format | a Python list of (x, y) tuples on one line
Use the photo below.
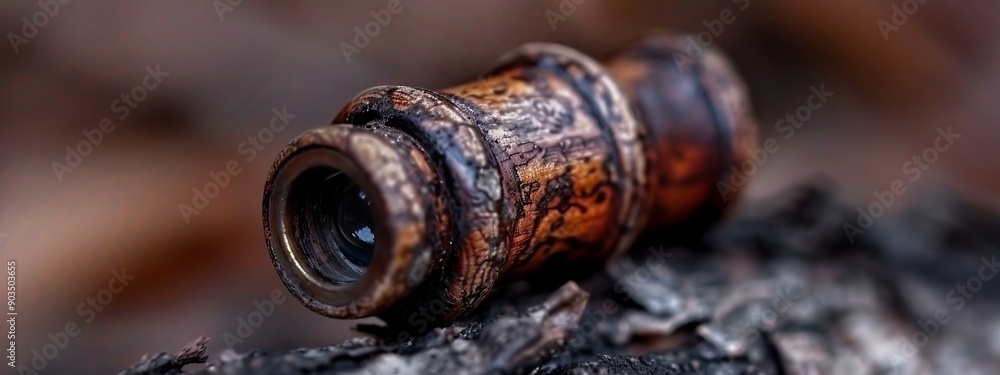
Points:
[(414, 203)]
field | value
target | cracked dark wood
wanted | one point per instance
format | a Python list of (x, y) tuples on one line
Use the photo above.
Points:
[(697, 309)]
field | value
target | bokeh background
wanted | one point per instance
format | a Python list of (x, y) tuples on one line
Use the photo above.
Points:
[(119, 207)]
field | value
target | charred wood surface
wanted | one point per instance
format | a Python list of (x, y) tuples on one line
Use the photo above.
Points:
[(779, 289)]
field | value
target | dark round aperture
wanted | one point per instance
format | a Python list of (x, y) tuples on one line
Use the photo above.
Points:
[(334, 223), (356, 225)]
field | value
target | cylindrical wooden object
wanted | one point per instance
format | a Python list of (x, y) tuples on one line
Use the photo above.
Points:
[(415, 203)]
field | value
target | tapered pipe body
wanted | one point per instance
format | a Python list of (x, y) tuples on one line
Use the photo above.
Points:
[(544, 169)]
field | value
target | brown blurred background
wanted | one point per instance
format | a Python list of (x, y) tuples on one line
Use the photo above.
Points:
[(119, 207)]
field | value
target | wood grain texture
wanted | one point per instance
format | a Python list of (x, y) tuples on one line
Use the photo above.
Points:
[(545, 168)]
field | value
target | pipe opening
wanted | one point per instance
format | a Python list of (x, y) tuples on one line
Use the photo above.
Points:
[(333, 223), (345, 231)]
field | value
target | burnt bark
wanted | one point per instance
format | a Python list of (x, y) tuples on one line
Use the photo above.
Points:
[(778, 289)]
